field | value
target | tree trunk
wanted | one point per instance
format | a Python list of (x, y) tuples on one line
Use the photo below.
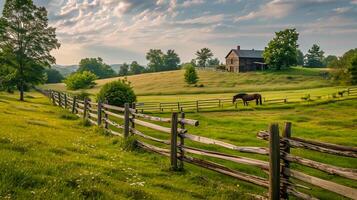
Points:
[(21, 91)]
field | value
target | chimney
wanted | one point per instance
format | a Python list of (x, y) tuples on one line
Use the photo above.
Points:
[(238, 47)]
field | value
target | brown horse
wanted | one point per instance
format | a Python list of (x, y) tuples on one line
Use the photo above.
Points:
[(248, 97)]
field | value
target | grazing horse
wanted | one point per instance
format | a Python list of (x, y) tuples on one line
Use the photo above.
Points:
[(248, 97)]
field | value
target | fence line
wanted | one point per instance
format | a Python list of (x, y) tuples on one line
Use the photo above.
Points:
[(125, 122), (221, 103)]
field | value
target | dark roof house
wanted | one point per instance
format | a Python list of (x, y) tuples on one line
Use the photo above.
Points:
[(239, 60)]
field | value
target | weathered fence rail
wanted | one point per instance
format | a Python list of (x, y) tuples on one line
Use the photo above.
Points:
[(127, 122), (222, 103)]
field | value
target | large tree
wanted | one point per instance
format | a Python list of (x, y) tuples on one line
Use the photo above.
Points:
[(53, 76), (203, 56), (135, 68), (343, 67), (124, 70), (329, 60), (299, 57), (171, 60), (97, 67), (314, 57), (282, 49), (156, 61), (26, 41)]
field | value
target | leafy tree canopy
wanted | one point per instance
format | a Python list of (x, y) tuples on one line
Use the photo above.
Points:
[(80, 80), (203, 56), (329, 60), (26, 41), (158, 61), (124, 70), (191, 76), (315, 57), (117, 93), (97, 67), (282, 49), (53, 76), (299, 57), (135, 68), (343, 67), (213, 62)]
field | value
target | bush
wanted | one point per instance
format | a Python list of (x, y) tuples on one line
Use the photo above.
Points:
[(191, 75), (117, 93), (80, 80), (82, 95)]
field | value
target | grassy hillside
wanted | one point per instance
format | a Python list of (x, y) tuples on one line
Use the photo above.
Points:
[(84, 163), (46, 153), (218, 82)]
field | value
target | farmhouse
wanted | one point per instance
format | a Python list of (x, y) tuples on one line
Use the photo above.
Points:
[(238, 60)]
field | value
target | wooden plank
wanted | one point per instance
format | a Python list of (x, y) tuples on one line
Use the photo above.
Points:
[(99, 113), (293, 143), (113, 114), (205, 140), (326, 145), (113, 132), (229, 172), (274, 162), (236, 159), (167, 120), (92, 122), (157, 127), (344, 172), (136, 132), (117, 108), (92, 115), (328, 185), (116, 125)]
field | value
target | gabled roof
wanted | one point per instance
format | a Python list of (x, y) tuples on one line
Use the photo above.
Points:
[(247, 53)]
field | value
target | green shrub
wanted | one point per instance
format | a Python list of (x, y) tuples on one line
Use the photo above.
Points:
[(191, 75), (82, 95), (80, 80), (117, 93)]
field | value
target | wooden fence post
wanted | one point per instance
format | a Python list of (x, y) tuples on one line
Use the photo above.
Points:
[(126, 120), (133, 116), (74, 104), (53, 97), (173, 152), (274, 162), (99, 112), (286, 164), (105, 115), (197, 109), (59, 99), (65, 100), (182, 142), (85, 108)]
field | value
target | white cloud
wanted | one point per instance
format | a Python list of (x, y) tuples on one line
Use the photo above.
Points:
[(342, 10), (189, 3), (208, 19), (273, 9)]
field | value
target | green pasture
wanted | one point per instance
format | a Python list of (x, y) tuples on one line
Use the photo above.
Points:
[(172, 82), (47, 153)]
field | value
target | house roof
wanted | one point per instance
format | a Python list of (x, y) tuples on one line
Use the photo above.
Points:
[(247, 53)]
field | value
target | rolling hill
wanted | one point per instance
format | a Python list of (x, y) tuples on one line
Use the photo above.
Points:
[(172, 82)]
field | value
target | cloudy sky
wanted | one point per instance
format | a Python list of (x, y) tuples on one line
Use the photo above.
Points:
[(124, 30)]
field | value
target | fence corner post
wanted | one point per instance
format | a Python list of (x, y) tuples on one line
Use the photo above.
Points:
[(286, 164), (173, 143), (274, 162), (126, 120), (99, 112)]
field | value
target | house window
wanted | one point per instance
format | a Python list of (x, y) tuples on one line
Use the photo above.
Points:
[(232, 61)]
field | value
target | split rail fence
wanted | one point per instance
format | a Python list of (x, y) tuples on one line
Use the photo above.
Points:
[(222, 103), (127, 122)]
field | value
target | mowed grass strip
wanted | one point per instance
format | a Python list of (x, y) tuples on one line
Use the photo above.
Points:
[(46, 153), (172, 82)]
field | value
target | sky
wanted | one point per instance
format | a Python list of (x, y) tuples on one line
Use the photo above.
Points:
[(124, 30)]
